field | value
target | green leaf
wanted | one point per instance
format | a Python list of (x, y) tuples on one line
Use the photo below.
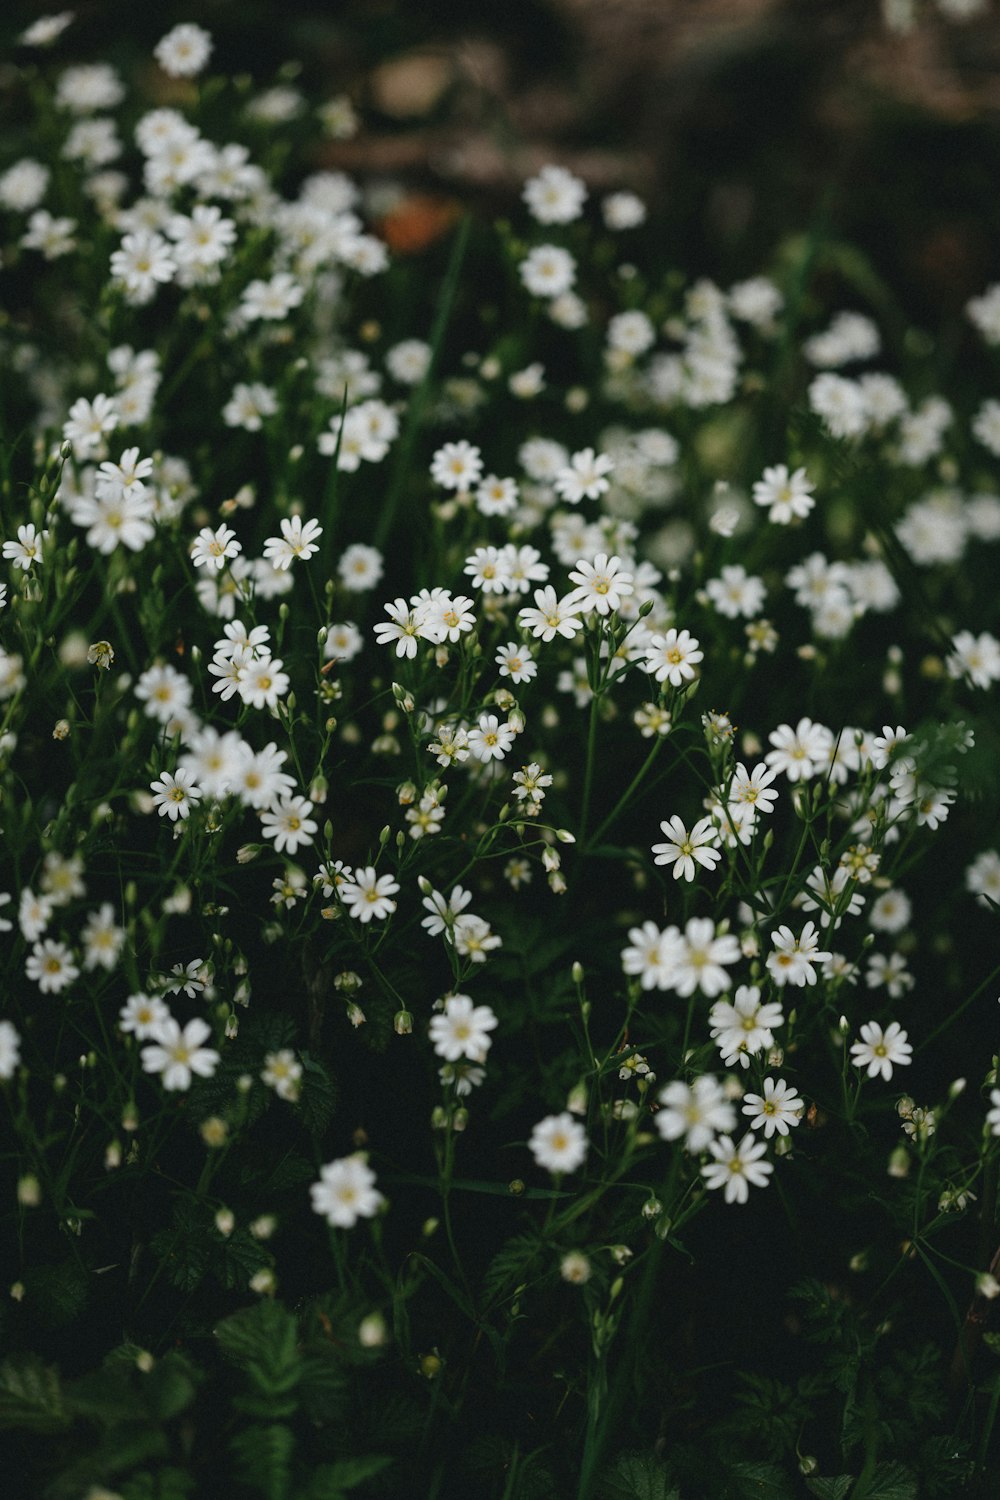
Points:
[(761, 1481), (264, 1459), (31, 1396), (236, 1258), (263, 1341), (831, 1489), (638, 1476), (317, 1097), (889, 1482), (163, 1484), (510, 1266), (330, 1481), (170, 1386), (58, 1293)]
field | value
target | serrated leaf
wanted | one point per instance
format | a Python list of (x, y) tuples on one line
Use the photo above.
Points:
[(263, 1458), (170, 1386), (58, 1293), (831, 1489), (31, 1395), (761, 1481), (510, 1266), (889, 1482), (263, 1341), (330, 1481), (638, 1476), (162, 1484), (317, 1097), (236, 1258)]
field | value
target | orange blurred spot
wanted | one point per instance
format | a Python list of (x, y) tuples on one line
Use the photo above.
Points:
[(417, 222)]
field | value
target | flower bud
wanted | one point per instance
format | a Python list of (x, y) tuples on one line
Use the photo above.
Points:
[(402, 1023), (372, 1332), (899, 1163)]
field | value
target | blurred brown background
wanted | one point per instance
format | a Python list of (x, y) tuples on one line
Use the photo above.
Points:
[(742, 122)]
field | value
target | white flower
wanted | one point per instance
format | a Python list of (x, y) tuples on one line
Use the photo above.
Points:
[(744, 1027), (211, 549), (404, 628), (102, 938), (775, 1110), (369, 895), (974, 657), (50, 965), (282, 1072), (551, 616), (702, 959), (653, 955), (516, 662), (800, 752), (491, 740), (737, 1168), (686, 851), (584, 477), (793, 957), (993, 1115), (271, 300), (696, 1111), (143, 262), (175, 794), (184, 51), (297, 539), (559, 1143), (27, 549), (673, 657), (463, 1030), (346, 1192), (601, 584), (548, 271), (10, 1050), (179, 1055), (786, 495), (288, 824), (457, 466), (262, 681), (623, 211), (879, 1051), (249, 405), (555, 196), (142, 1016)]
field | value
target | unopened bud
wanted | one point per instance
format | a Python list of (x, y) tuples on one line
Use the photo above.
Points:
[(402, 1023)]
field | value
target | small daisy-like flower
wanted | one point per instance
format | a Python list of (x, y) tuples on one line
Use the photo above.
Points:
[(752, 788), (282, 1072), (786, 495), (993, 1115), (288, 824), (212, 549), (184, 51), (673, 657), (584, 477), (28, 549), (262, 682), (653, 955), (457, 466), (697, 1111), (777, 1109), (346, 1192), (555, 196), (515, 662), (551, 616), (548, 271), (10, 1050), (491, 740), (174, 794), (601, 584), (880, 1051), (559, 1143), (369, 895), (687, 851), (403, 629), (463, 1030), (297, 540), (50, 965), (737, 1168), (179, 1055), (142, 1016), (793, 957)]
